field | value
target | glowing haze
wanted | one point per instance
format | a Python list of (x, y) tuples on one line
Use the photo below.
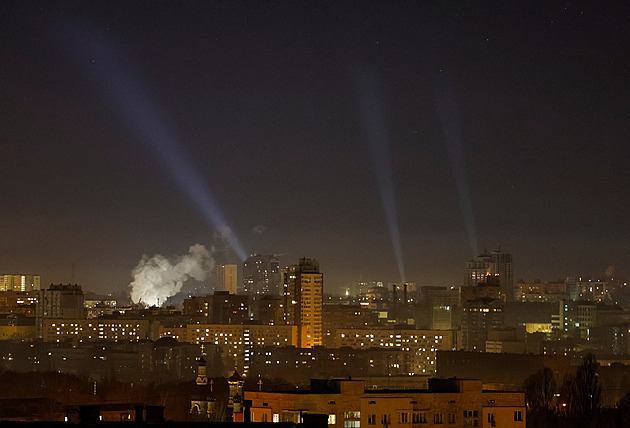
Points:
[(157, 278)]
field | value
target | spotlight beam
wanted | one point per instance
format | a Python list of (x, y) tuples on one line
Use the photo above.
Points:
[(376, 130), (448, 113), (104, 63)]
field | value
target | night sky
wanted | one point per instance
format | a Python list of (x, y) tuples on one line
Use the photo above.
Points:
[(518, 110)]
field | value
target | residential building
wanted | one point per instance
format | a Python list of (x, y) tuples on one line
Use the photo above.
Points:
[(17, 327), (19, 282), (495, 263), (337, 315), (420, 346), (346, 403), (268, 309), (63, 301), (236, 341), (19, 302), (303, 301), (261, 275), (219, 308), (482, 310), (87, 330), (225, 278)]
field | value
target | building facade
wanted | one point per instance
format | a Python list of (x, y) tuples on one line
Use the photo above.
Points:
[(235, 341), (495, 263), (346, 403), (303, 301), (261, 275), (420, 346), (225, 278), (19, 282), (64, 301)]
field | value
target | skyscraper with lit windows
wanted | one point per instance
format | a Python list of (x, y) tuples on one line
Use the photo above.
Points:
[(261, 275), (303, 301)]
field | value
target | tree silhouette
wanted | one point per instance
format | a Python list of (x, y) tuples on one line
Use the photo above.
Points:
[(540, 389), (580, 396), (587, 390)]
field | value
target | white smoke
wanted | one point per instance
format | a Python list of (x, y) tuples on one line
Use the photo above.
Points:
[(157, 278)]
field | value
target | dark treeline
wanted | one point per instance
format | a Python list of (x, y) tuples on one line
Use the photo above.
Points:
[(574, 403)]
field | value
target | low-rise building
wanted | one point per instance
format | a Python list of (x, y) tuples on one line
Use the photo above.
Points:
[(18, 302), (347, 404), (17, 327)]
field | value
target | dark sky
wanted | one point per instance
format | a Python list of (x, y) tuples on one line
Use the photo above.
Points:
[(262, 98)]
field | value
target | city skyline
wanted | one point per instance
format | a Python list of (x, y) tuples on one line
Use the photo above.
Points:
[(383, 139)]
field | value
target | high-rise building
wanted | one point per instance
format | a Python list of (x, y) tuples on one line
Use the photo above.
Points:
[(496, 263), (225, 277), (261, 275), (19, 282), (303, 301)]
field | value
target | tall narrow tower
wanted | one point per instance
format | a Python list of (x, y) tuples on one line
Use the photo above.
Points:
[(303, 301)]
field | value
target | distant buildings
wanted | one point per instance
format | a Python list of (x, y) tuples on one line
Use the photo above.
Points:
[(483, 308), (235, 341), (219, 308), (268, 310), (541, 291), (261, 275), (87, 330), (18, 302), (19, 282), (487, 264), (420, 345), (388, 367), (390, 330), (17, 327), (225, 278), (63, 301)]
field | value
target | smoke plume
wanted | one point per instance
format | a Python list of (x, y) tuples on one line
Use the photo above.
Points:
[(157, 278)]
